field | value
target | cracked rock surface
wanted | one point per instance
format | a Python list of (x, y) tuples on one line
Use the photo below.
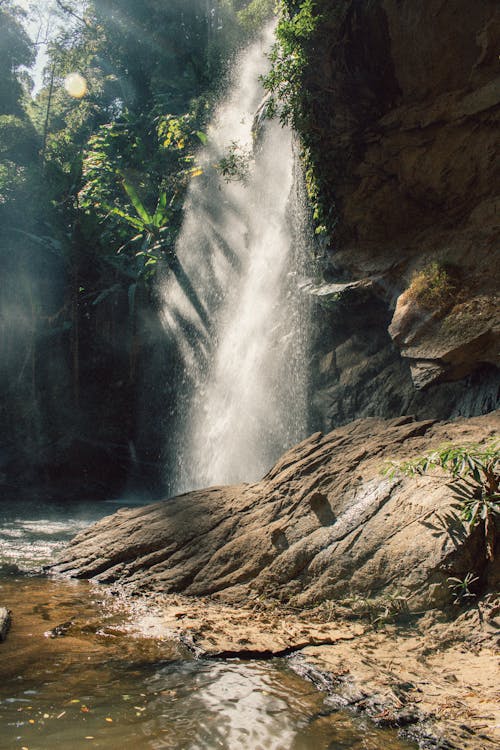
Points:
[(323, 524)]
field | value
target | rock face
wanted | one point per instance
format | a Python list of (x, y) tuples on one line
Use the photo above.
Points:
[(444, 349), (322, 524), (404, 122)]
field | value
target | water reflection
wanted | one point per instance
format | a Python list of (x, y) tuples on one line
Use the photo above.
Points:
[(32, 532), (97, 686), (77, 671)]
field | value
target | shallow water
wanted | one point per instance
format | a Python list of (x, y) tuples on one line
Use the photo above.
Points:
[(33, 531), (102, 683)]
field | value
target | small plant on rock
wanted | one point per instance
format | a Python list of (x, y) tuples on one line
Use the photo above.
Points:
[(475, 482), (380, 610), (461, 588), (431, 287)]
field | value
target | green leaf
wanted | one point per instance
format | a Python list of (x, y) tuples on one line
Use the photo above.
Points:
[(142, 212), (202, 137), (160, 215), (136, 223)]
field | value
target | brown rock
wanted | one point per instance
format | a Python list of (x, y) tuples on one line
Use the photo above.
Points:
[(450, 345), (322, 524), (4, 623)]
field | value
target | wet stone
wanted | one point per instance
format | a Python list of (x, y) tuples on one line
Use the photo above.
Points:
[(5, 621)]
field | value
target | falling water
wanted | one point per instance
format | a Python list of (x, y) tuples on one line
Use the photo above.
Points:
[(242, 334)]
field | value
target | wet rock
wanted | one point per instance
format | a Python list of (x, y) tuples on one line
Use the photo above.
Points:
[(60, 630), (323, 524), (5, 621)]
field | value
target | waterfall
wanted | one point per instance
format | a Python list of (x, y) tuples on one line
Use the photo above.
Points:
[(242, 329)]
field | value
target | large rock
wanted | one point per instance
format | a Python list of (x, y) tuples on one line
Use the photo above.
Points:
[(324, 523), (447, 346)]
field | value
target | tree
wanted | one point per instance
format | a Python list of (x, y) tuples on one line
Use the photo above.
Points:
[(16, 50), (91, 197)]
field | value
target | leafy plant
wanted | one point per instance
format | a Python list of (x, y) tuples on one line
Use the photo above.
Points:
[(475, 482), (461, 588), (140, 213), (431, 287), (154, 241), (291, 97), (379, 610), (289, 59), (234, 166)]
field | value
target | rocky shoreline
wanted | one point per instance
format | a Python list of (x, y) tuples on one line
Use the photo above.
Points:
[(334, 565), (433, 678)]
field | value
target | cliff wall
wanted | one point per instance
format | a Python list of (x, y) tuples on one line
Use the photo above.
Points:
[(403, 101)]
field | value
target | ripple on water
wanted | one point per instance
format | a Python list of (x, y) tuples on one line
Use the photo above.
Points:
[(33, 534), (98, 686)]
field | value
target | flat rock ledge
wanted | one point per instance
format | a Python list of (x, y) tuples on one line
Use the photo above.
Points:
[(436, 680)]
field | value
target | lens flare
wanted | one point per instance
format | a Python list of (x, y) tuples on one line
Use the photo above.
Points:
[(76, 85)]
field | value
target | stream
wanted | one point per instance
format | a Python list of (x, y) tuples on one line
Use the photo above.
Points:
[(106, 679)]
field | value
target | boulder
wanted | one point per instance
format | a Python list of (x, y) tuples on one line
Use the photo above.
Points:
[(448, 346), (323, 524)]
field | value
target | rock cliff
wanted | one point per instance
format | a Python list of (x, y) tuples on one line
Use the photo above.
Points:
[(404, 113)]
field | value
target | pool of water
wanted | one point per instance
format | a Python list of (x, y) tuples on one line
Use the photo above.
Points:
[(33, 531), (79, 671)]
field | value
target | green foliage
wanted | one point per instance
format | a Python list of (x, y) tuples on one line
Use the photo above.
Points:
[(289, 58), (475, 482), (461, 588), (380, 610), (431, 287), (141, 211), (319, 214), (291, 98), (234, 166), (150, 241), (256, 13), (18, 140), (20, 179), (16, 50)]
